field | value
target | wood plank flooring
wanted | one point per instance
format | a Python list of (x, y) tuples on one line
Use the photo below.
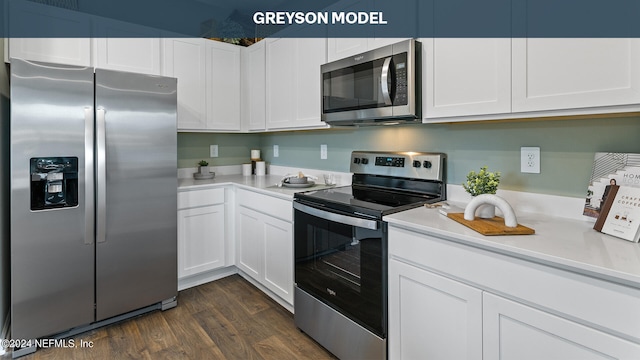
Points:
[(224, 319)]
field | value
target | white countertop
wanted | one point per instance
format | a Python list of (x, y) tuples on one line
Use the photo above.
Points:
[(265, 184), (563, 243)]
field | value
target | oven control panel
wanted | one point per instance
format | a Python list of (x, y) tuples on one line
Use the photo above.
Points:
[(414, 165), (390, 161)]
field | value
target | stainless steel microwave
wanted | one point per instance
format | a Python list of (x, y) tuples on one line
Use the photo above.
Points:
[(381, 86)]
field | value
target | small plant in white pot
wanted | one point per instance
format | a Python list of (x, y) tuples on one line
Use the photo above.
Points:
[(203, 167), (483, 182)]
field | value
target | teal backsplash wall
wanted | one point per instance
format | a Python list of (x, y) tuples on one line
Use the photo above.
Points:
[(567, 148), (233, 149)]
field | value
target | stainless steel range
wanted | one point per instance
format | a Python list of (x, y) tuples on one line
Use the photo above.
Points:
[(341, 248)]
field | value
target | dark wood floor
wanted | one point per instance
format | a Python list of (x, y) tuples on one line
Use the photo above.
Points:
[(224, 319)]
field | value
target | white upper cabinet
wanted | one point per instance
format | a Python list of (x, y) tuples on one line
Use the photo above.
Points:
[(466, 76), (281, 82), (550, 74), (340, 47), (254, 86), (223, 86), (293, 82), (208, 76), (310, 54), (185, 59), (22, 15), (126, 47)]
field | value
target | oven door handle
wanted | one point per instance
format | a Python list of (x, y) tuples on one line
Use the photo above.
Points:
[(343, 219)]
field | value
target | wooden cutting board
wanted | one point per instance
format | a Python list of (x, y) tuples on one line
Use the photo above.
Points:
[(490, 227)]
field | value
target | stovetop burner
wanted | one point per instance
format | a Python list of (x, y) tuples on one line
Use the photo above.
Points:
[(384, 183)]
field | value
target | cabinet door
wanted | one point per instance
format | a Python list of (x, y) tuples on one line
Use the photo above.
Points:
[(185, 59), (254, 85), (466, 76), (518, 332), (281, 83), (551, 74), (249, 237), (340, 48), (310, 54), (278, 257), (201, 239), (126, 47), (60, 23), (223, 87), (432, 317)]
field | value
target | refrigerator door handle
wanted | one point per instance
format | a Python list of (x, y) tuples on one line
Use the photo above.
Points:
[(101, 176), (88, 177)]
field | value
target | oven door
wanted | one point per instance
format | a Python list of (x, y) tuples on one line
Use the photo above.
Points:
[(341, 261)]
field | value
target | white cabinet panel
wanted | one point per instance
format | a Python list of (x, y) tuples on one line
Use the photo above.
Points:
[(185, 59), (126, 47), (293, 82), (515, 331), (432, 317), (311, 53), (340, 48), (466, 76), (62, 50), (249, 241), (551, 74), (201, 239), (281, 82), (254, 86), (265, 243), (223, 87), (278, 257)]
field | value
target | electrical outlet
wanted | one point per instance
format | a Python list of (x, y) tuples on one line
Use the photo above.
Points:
[(213, 150), (276, 151), (530, 160), (323, 151)]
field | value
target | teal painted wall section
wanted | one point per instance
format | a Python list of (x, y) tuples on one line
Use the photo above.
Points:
[(567, 148), (233, 149)]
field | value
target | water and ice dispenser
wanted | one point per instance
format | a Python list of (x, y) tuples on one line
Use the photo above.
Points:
[(54, 182)]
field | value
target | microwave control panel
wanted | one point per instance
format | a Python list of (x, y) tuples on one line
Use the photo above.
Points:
[(401, 96)]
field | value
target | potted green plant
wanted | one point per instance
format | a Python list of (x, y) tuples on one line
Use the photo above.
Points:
[(203, 167), (483, 182)]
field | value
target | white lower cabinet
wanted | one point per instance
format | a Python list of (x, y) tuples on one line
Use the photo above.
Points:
[(203, 240), (513, 331), (432, 317), (442, 305), (264, 242), (202, 232)]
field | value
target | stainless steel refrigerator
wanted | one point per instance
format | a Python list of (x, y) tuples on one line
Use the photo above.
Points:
[(93, 196)]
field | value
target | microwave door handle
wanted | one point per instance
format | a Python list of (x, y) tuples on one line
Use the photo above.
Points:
[(384, 81)]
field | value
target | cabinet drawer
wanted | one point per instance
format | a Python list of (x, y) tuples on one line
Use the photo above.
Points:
[(575, 296), (195, 198), (278, 208)]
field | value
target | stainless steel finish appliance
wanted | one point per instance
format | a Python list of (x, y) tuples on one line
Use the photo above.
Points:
[(340, 242), (380, 86), (93, 196)]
